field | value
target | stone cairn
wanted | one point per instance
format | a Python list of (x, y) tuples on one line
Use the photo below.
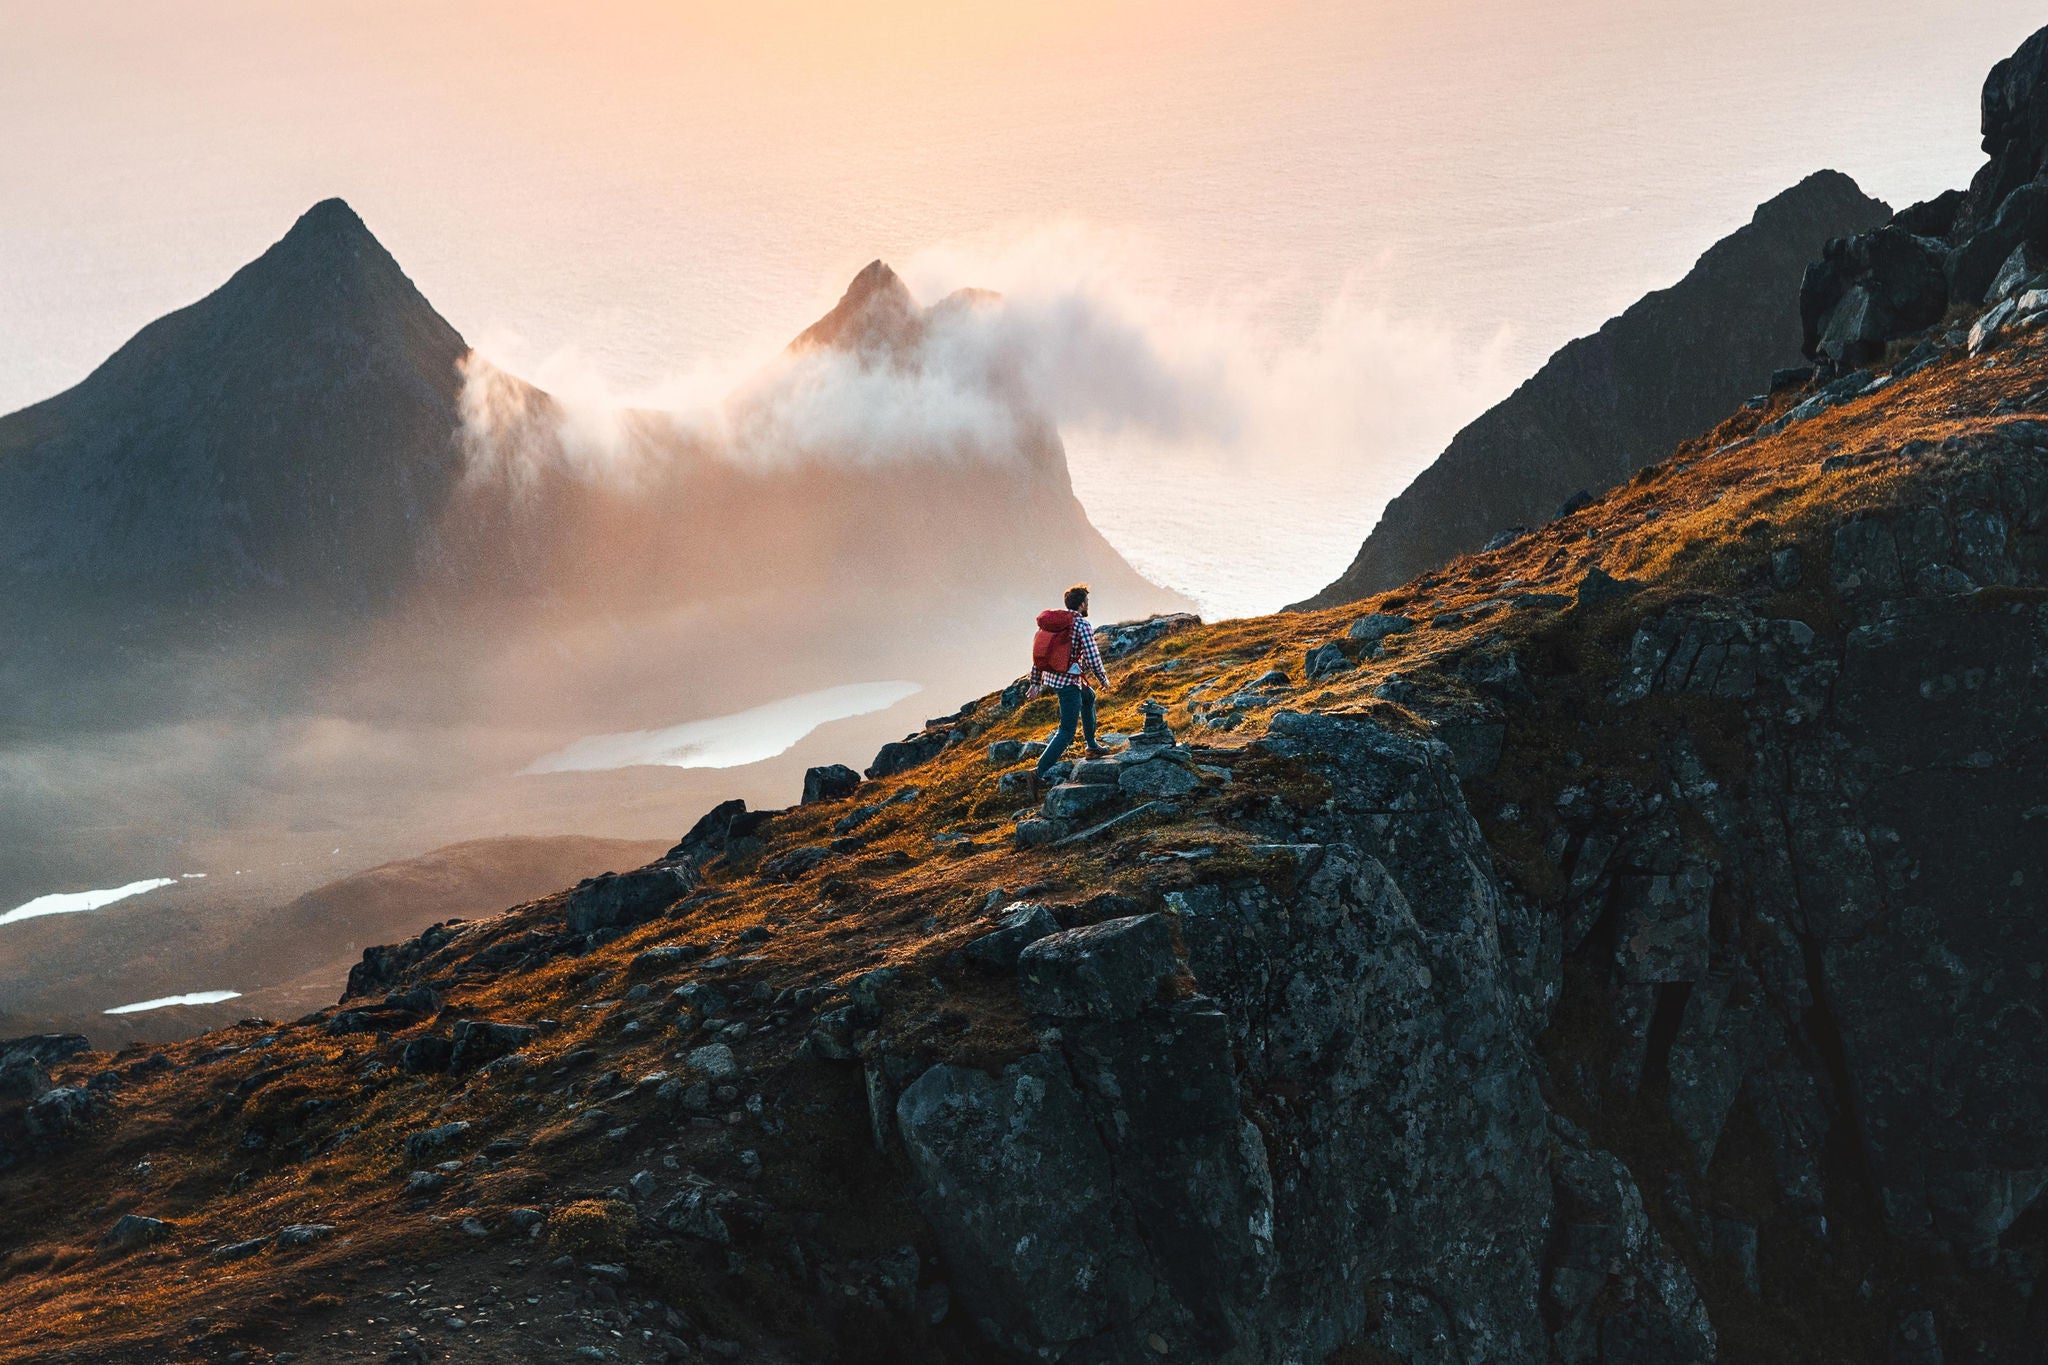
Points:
[(1155, 735)]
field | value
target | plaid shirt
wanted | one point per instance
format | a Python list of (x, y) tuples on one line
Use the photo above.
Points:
[(1087, 662)]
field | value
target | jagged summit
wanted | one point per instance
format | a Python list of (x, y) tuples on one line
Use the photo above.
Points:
[(1605, 405), (330, 225), (330, 255), (286, 438), (1986, 244), (876, 313)]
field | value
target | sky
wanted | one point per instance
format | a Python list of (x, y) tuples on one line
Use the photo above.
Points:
[(1341, 230)]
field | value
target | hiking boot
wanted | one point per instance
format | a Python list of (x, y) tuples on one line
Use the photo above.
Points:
[(1097, 751)]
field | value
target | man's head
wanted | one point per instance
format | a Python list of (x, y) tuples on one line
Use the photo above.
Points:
[(1077, 598)]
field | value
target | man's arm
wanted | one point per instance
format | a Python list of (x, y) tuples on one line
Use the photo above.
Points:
[(1091, 657)]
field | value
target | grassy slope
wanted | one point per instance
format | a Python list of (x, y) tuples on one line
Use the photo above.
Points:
[(1696, 523)]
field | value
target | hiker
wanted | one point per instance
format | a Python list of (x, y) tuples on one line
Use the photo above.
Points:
[(1064, 657)]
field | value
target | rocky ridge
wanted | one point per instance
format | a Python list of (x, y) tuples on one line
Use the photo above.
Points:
[(1872, 292), (1666, 369), (1618, 946)]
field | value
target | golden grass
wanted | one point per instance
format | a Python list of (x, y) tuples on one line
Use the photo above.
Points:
[(175, 1148)]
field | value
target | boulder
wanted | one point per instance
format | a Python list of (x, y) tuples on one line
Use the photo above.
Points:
[(1584, 498), (662, 957), (135, 1229), (294, 1236), (1036, 833), (1097, 770), (45, 1049), (1004, 752), (1370, 630), (430, 1140), (1073, 800), (2016, 274), (798, 861), (1157, 777), (1023, 926), (63, 1111), (238, 1251), (1973, 265), (414, 1000), (1325, 661), (1111, 970), (908, 752), (1984, 331), (1597, 587), (833, 782), (694, 1213), (1869, 288), (423, 1056), (1121, 638), (708, 836), (1018, 1187), (714, 1062), (477, 1041), (22, 1077), (1619, 1294), (619, 900)]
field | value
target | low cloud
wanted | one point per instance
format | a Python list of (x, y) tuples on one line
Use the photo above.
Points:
[(1075, 339)]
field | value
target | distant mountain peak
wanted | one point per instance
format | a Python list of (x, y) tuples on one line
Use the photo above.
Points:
[(331, 243), (332, 214), (876, 312), (289, 433)]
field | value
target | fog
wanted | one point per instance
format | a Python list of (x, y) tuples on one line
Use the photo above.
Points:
[(1220, 392), (621, 616)]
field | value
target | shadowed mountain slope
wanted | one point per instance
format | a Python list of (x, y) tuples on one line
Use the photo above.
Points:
[(61, 972), (1605, 405), (1620, 944), (287, 442)]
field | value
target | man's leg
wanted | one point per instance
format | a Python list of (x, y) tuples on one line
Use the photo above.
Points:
[(1070, 715), (1088, 715)]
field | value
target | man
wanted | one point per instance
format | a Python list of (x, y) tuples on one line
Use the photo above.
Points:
[(1064, 657)]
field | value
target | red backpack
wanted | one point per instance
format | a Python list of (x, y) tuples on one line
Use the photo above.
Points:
[(1052, 649)]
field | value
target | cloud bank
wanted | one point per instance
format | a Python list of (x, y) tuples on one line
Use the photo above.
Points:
[(1146, 379)]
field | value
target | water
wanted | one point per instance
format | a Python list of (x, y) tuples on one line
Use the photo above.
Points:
[(72, 902), (166, 1001), (732, 741), (1393, 211)]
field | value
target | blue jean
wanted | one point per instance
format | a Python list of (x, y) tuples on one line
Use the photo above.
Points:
[(1077, 706)]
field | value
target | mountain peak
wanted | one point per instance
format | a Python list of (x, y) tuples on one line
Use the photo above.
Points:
[(876, 312), (321, 349), (331, 211), (327, 238)]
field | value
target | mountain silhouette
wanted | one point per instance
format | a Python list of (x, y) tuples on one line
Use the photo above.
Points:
[(283, 442), (1607, 404)]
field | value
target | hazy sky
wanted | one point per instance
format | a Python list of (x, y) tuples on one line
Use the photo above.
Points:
[(1368, 219)]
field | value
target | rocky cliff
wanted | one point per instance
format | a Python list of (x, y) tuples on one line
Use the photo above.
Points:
[(1870, 292), (1624, 945), (1605, 405)]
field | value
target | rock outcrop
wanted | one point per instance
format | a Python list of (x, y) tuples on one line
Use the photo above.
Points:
[(1621, 949), (1961, 249), (1605, 405)]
